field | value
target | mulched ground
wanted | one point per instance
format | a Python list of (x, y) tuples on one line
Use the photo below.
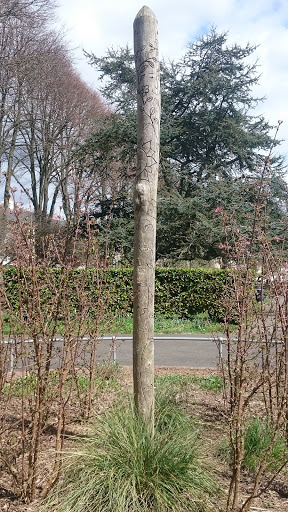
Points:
[(206, 406)]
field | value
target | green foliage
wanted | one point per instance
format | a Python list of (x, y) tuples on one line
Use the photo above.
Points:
[(200, 322), (211, 383), (24, 386), (104, 380), (181, 293), (258, 438), (118, 467), (191, 291), (180, 383), (259, 441), (163, 325), (169, 386), (193, 233), (211, 147), (197, 230), (207, 126), (100, 383), (207, 97)]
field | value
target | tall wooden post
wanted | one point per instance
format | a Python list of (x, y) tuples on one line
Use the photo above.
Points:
[(145, 204)]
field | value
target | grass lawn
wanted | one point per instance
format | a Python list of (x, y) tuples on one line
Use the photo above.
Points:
[(200, 323)]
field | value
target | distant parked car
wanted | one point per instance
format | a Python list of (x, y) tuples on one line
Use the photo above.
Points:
[(261, 288), (260, 295)]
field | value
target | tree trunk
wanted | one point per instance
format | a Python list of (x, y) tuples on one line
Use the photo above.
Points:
[(145, 204)]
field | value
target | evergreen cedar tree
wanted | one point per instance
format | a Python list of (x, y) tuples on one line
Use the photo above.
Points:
[(212, 149)]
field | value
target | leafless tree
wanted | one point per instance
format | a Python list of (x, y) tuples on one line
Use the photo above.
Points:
[(46, 110)]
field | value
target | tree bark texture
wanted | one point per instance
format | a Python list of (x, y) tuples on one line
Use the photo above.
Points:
[(145, 204)]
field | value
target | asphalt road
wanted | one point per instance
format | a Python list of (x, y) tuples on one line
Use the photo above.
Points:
[(197, 352)]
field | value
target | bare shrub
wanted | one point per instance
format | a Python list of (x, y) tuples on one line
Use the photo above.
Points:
[(49, 338), (255, 370)]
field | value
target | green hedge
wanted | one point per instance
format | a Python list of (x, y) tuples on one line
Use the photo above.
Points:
[(185, 292), (179, 292)]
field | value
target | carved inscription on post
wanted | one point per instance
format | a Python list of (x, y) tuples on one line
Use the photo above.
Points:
[(145, 202)]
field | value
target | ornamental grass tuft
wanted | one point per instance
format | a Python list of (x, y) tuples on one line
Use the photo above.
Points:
[(118, 467)]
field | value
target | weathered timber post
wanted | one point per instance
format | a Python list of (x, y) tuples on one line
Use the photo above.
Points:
[(145, 204)]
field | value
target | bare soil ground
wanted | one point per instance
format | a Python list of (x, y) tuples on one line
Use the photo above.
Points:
[(207, 406)]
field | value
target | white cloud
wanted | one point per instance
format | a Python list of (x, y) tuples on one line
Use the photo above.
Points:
[(95, 26)]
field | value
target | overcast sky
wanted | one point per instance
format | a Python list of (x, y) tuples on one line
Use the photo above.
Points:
[(96, 25)]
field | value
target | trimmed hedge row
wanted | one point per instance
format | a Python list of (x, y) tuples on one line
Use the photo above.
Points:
[(185, 292), (179, 292)]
